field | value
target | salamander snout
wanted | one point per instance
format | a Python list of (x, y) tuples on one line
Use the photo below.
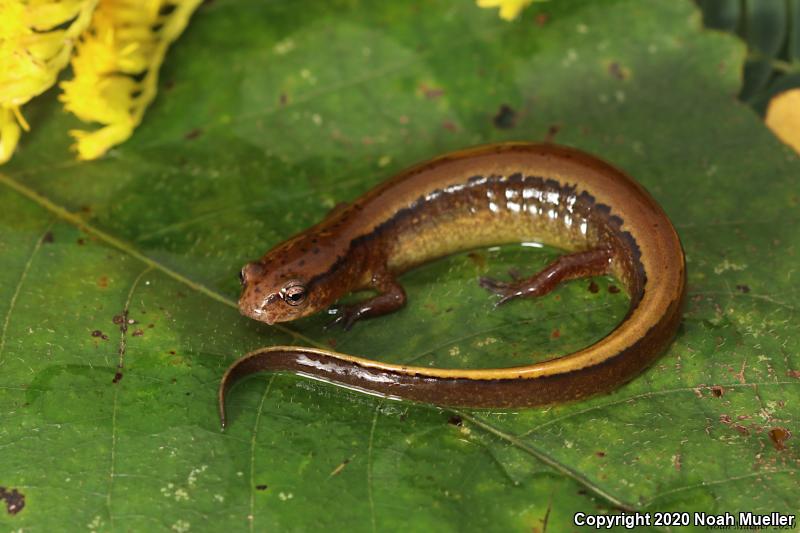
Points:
[(269, 297)]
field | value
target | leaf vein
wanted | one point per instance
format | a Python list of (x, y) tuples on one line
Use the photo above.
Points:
[(647, 395), (370, 484), (548, 460), (251, 518), (127, 248), (17, 289)]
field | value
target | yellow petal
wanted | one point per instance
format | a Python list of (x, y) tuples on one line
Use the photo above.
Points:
[(783, 117), (116, 68), (509, 9), (20, 119), (93, 144), (36, 39), (9, 134)]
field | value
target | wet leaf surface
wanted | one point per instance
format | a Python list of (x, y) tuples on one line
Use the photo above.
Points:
[(270, 114)]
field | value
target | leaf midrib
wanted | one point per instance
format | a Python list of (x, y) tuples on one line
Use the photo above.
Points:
[(127, 248)]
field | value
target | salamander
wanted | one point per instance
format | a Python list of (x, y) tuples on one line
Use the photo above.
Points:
[(487, 195)]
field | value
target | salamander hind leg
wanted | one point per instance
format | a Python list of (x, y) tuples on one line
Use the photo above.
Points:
[(571, 266), (391, 297)]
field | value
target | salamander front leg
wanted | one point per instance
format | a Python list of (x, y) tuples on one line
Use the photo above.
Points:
[(391, 298), (595, 262)]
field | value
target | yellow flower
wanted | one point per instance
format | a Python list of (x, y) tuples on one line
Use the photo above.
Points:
[(116, 67), (34, 47), (509, 9), (121, 47), (9, 131), (783, 117)]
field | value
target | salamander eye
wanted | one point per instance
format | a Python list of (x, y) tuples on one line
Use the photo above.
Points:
[(241, 276), (294, 293)]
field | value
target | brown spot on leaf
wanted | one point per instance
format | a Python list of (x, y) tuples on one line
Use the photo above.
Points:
[(552, 131), (593, 288), (613, 289), (743, 288), (15, 500), (600, 454), (741, 429), (556, 333), (138, 333), (541, 19), (97, 333), (48, 237), (618, 71), (431, 93), (505, 118), (725, 419), (478, 259), (449, 125), (793, 374), (81, 241), (261, 487), (193, 134), (284, 99), (118, 319), (117, 377), (717, 391), (455, 420), (779, 436), (102, 282)]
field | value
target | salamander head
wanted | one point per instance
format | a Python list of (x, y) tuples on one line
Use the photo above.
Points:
[(277, 290)]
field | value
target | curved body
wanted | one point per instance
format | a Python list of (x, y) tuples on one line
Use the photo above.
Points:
[(488, 195)]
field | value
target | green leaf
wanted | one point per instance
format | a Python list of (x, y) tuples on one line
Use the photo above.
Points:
[(765, 26), (721, 14), (764, 29), (793, 42), (117, 294), (757, 74)]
